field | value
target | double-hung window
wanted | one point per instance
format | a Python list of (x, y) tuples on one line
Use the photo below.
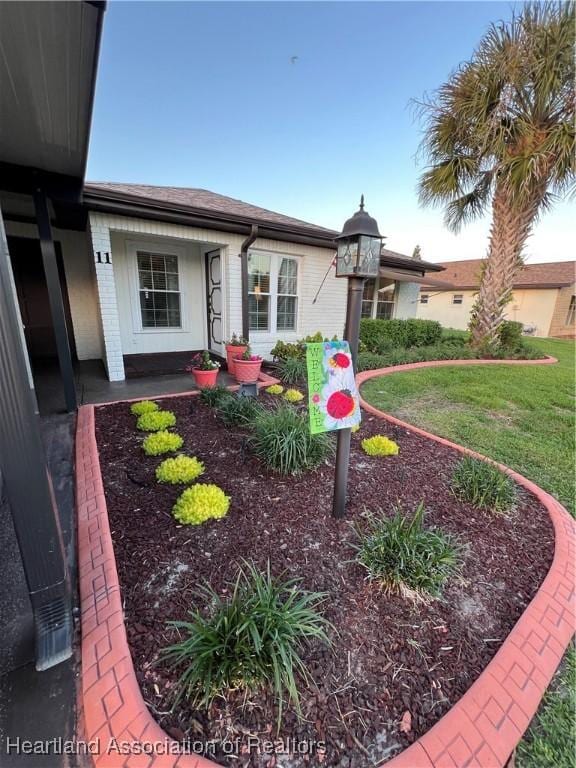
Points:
[(272, 292), (159, 290)]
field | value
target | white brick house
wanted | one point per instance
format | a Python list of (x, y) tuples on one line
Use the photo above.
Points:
[(158, 270)]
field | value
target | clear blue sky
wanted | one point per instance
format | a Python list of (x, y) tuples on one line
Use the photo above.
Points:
[(211, 95)]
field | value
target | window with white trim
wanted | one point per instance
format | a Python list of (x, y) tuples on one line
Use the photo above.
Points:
[(368, 297), (159, 290), (457, 298), (272, 292)]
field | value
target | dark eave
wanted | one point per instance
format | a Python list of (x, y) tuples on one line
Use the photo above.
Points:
[(132, 205)]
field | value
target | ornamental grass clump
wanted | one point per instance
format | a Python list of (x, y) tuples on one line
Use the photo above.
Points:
[(161, 442), (292, 371), (248, 640), (199, 503), (275, 389), (237, 411), (180, 469), (404, 557), (484, 485), (293, 396), (156, 421), (144, 406), (281, 439), (213, 395), (380, 445)]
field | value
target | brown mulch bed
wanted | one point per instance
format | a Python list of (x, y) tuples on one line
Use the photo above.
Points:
[(390, 657)]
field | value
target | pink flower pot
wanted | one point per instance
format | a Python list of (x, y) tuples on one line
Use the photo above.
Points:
[(205, 379), (233, 351), (247, 371)]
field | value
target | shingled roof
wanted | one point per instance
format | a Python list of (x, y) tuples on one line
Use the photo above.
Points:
[(202, 200), (465, 275)]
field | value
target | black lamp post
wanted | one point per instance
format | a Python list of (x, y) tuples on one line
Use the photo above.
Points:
[(358, 258)]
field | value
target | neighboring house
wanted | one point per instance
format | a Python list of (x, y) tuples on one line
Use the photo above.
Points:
[(150, 269), (543, 299)]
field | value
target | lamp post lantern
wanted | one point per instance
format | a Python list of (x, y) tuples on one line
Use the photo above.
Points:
[(358, 258)]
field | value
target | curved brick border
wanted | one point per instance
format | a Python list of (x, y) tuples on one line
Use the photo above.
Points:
[(481, 729)]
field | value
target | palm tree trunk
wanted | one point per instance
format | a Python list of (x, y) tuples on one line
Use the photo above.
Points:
[(508, 234)]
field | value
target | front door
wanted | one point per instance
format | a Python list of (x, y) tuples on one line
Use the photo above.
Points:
[(32, 291), (214, 301)]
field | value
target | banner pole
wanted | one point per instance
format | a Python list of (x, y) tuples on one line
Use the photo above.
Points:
[(351, 335)]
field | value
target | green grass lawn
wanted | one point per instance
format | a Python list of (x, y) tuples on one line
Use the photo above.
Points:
[(523, 417)]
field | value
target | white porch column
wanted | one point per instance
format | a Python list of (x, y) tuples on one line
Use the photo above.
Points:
[(102, 252)]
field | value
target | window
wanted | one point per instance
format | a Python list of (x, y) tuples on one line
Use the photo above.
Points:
[(368, 297), (424, 298), (259, 291), (287, 295), (159, 290), (570, 317), (457, 298), (385, 304), (272, 292)]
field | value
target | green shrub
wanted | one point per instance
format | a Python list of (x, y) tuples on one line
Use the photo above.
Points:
[(181, 469), (238, 411), (199, 503), (380, 445), (376, 334), (293, 396), (161, 442), (156, 421), (275, 389), (483, 484), (213, 395), (286, 351), (249, 639), (510, 334), (144, 406), (282, 441), (292, 370), (368, 361), (404, 557)]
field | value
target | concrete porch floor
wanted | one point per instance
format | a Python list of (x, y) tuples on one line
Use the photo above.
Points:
[(92, 385)]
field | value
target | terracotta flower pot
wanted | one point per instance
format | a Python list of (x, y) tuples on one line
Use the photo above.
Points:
[(205, 379), (233, 351), (247, 371)]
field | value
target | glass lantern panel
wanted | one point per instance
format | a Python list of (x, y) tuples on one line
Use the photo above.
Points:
[(347, 256), (369, 256)]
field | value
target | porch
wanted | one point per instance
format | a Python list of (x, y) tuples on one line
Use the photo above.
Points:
[(93, 386)]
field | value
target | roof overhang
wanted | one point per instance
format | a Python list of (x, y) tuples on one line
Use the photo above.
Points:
[(48, 70), (404, 276), (124, 204)]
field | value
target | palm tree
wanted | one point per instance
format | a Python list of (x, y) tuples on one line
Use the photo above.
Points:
[(500, 133)]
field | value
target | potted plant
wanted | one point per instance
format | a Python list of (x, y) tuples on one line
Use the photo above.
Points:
[(247, 367), (204, 369), (234, 348)]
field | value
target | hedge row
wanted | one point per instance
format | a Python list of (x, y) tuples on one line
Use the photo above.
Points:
[(380, 336)]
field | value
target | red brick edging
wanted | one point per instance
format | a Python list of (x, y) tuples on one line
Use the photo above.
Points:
[(481, 729)]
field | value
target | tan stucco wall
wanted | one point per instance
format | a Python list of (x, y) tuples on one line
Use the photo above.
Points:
[(530, 306)]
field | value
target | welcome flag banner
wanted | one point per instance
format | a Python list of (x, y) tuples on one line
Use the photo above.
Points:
[(334, 402)]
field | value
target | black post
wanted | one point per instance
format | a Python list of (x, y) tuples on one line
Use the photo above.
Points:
[(55, 298), (351, 334), (25, 477)]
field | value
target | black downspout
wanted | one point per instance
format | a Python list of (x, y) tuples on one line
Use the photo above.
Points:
[(25, 480), (244, 268)]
